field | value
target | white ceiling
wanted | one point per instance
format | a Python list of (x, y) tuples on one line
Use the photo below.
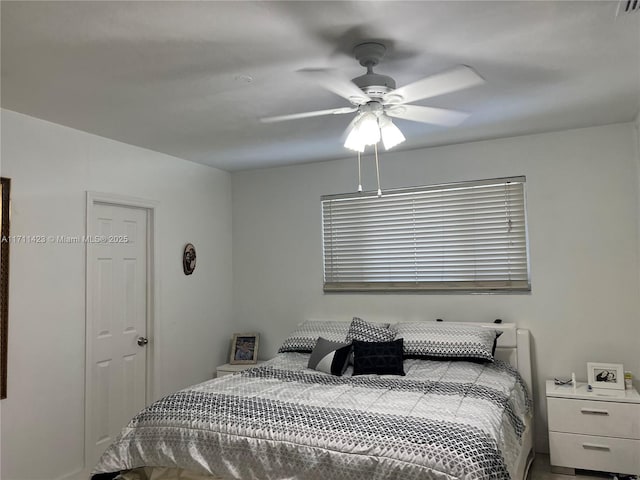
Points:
[(191, 79)]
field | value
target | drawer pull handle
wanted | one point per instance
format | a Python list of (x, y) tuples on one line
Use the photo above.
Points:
[(593, 446), (593, 411)]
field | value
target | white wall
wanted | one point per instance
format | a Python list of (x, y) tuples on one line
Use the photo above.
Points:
[(637, 143), (582, 192), (51, 168)]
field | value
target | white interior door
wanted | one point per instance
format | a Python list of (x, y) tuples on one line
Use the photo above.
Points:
[(117, 307)]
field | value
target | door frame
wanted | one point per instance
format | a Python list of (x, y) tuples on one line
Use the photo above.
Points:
[(153, 288)]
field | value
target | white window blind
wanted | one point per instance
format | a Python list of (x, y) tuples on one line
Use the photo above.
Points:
[(469, 236)]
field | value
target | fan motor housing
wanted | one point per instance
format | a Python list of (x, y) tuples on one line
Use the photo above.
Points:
[(374, 84)]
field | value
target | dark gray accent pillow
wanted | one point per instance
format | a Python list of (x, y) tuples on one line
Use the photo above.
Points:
[(330, 357), (380, 358)]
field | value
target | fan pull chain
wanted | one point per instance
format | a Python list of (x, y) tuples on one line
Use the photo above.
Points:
[(359, 174), (375, 146)]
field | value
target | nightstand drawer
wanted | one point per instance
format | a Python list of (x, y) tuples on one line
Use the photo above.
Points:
[(609, 419), (595, 453)]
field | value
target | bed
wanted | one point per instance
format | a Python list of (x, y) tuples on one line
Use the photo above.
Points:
[(445, 418)]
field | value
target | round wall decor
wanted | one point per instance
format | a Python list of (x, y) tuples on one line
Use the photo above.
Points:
[(189, 259)]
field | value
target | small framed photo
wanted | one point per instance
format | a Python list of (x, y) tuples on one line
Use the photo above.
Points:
[(244, 348), (606, 375)]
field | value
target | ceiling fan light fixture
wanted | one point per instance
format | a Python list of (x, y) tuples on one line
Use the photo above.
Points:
[(368, 129), (353, 142), (365, 131), (390, 133)]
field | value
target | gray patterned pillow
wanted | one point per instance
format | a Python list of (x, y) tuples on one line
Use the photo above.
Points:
[(304, 338), (330, 357), (448, 342), (369, 332)]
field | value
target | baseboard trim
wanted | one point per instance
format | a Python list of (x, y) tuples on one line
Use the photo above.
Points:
[(563, 470)]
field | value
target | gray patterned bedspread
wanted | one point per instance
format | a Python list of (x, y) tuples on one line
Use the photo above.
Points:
[(443, 420)]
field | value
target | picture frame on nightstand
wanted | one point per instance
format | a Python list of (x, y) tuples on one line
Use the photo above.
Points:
[(606, 375), (244, 348)]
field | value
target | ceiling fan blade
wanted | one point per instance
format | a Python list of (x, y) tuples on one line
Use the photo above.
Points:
[(317, 113), (436, 116), (337, 84), (457, 78)]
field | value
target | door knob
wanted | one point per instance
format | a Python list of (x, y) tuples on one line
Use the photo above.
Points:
[(142, 341)]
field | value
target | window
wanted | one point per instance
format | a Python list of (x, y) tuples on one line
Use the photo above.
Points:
[(464, 237)]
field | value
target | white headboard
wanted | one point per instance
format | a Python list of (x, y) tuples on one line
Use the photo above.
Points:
[(513, 347)]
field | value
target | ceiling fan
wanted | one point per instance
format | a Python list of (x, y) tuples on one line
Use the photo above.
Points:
[(376, 99)]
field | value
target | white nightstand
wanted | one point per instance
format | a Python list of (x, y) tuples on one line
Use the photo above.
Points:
[(228, 369), (597, 430)]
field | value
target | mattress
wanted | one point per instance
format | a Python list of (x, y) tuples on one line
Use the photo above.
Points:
[(443, 420)]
